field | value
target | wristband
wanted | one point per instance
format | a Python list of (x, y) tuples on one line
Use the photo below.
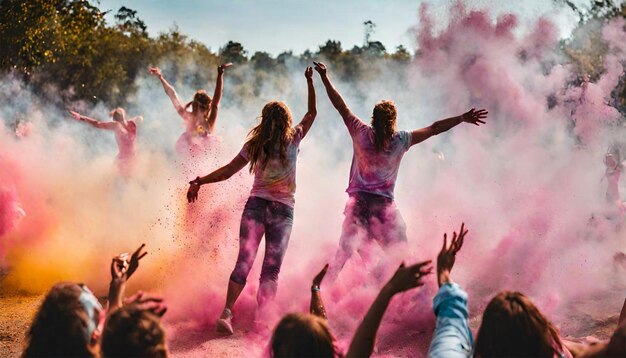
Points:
[(315, 288), (195, 181)]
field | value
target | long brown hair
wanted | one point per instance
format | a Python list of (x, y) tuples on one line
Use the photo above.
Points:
[(303, 335), (201, 102), (274, 130), (60, 325), (133, 332), (383, 123), (513, 326)]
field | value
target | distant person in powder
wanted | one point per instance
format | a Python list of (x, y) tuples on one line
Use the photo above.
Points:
[(125, 135), (200, 121), (371, 213)]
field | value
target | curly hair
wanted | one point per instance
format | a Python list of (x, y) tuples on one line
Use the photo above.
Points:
[(274, 130), (513, 326), (383, 123), (60, 326), (303, 335), (131, 331)]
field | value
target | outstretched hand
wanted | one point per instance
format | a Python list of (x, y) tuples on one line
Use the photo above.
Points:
[(192, 193), (308, 73), (475, 117), (222, 67), (122, 268), (155, 71), (150, 303), (320, 68), (409, 277), (75, 115), (317, 280), (447, 255)]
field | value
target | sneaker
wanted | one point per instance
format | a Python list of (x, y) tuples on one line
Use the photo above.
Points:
[(225, 325)]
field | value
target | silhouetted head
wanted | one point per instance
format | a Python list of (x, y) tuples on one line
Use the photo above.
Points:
[(118, 114), (273, 132), (513, 326), (302, 335), (384, 123), (133, 332), (67, 323)]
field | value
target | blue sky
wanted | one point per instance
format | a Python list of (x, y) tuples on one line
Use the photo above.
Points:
[(279, 25)]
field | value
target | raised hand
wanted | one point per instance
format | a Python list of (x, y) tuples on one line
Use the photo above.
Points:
[(133, 264), (317, 280), (447, 255), (409, 277), (475, 117), (222, 67), (192, 193), (320, 68), (75, 115), (153, 304), (155, 71), (308, 73)]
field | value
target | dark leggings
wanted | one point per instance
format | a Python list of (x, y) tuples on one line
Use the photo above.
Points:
[(272, 218)]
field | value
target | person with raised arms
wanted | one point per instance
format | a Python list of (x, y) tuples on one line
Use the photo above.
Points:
[(271, 151)]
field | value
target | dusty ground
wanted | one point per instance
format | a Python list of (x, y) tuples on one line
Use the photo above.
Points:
[(592, 316)]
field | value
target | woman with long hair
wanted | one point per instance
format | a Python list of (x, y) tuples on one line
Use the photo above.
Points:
[(125, 135), (371, 213), (271, 151), (513, 326), (200, 121), (67, 324)]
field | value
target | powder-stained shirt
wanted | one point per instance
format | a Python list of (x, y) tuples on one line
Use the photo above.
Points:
[(277, 181), (373, 171)]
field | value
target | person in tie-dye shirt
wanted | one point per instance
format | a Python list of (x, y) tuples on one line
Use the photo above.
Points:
[(371, 213), (271, 150)]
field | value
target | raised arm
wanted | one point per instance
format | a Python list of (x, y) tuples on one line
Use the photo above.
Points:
[(111, 125), (218, 175), (169, 90), (121, 270), (317, 305), (334, 96), (471, 116), (311, 113), (217, 95), (404, 279)]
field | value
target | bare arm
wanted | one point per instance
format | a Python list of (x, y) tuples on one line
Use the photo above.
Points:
[(334, 96), (217, 95), (404, 279), (472, 116), (111, 125), (218, 175), (169, 90), (317, 304), (309, 117)]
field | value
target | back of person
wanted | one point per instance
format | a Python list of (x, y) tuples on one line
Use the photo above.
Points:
[(131, 331), (375, 171), (276, 180), (302, 335), (513, 326)]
